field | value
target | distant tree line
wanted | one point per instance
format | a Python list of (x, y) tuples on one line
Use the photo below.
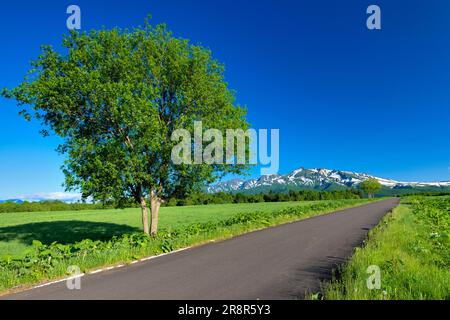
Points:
[(193, 199), (50, 206), (427, 194), (303, 195)]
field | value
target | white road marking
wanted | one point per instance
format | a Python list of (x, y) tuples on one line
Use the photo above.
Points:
[(58, 281)]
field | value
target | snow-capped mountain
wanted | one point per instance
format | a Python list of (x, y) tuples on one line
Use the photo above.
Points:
[(318, 179)]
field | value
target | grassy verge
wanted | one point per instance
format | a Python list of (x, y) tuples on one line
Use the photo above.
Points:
[(45, 262), (411, 247)]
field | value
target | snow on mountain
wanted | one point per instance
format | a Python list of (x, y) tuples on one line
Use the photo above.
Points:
[(228, 186), (316, 178)]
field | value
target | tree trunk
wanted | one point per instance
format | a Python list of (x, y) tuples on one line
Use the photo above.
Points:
[(155, 202), (144, 216)]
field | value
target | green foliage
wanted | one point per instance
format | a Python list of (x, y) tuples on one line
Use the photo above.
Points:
[(303, 195), (370, 186), (412, 248)]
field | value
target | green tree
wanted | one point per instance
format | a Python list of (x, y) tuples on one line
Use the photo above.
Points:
[(115, 97), (370, 186)]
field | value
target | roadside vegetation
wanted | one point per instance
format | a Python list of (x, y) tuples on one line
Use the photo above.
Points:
[(44, 261), (411, 246)]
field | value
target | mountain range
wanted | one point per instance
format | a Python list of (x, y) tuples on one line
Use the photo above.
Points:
[(300, 179), (68, 197), (322, 180)]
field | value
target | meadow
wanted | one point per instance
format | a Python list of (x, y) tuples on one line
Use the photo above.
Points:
[(411, 247), (45, 244), (19, 229)]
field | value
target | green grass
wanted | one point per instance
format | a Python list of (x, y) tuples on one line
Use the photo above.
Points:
[(18, 230), (411, 248), (188, 226)]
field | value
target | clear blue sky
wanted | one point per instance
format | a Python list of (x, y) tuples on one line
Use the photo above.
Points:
[(342, 96)]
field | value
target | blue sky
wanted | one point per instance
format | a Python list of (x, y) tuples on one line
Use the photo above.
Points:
[(343, 96)]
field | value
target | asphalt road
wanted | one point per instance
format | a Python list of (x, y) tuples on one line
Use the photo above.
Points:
[(282, 262)]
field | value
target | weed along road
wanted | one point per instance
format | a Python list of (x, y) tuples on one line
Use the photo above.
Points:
[(282, 262)]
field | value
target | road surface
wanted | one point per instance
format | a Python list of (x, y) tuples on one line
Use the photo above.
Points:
[(283, 262)]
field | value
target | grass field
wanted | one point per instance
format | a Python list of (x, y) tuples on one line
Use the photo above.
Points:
[(43, 260), (18, 230), (411, 247)]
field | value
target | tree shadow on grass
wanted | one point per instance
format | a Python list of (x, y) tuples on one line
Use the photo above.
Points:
[(64, 232)]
